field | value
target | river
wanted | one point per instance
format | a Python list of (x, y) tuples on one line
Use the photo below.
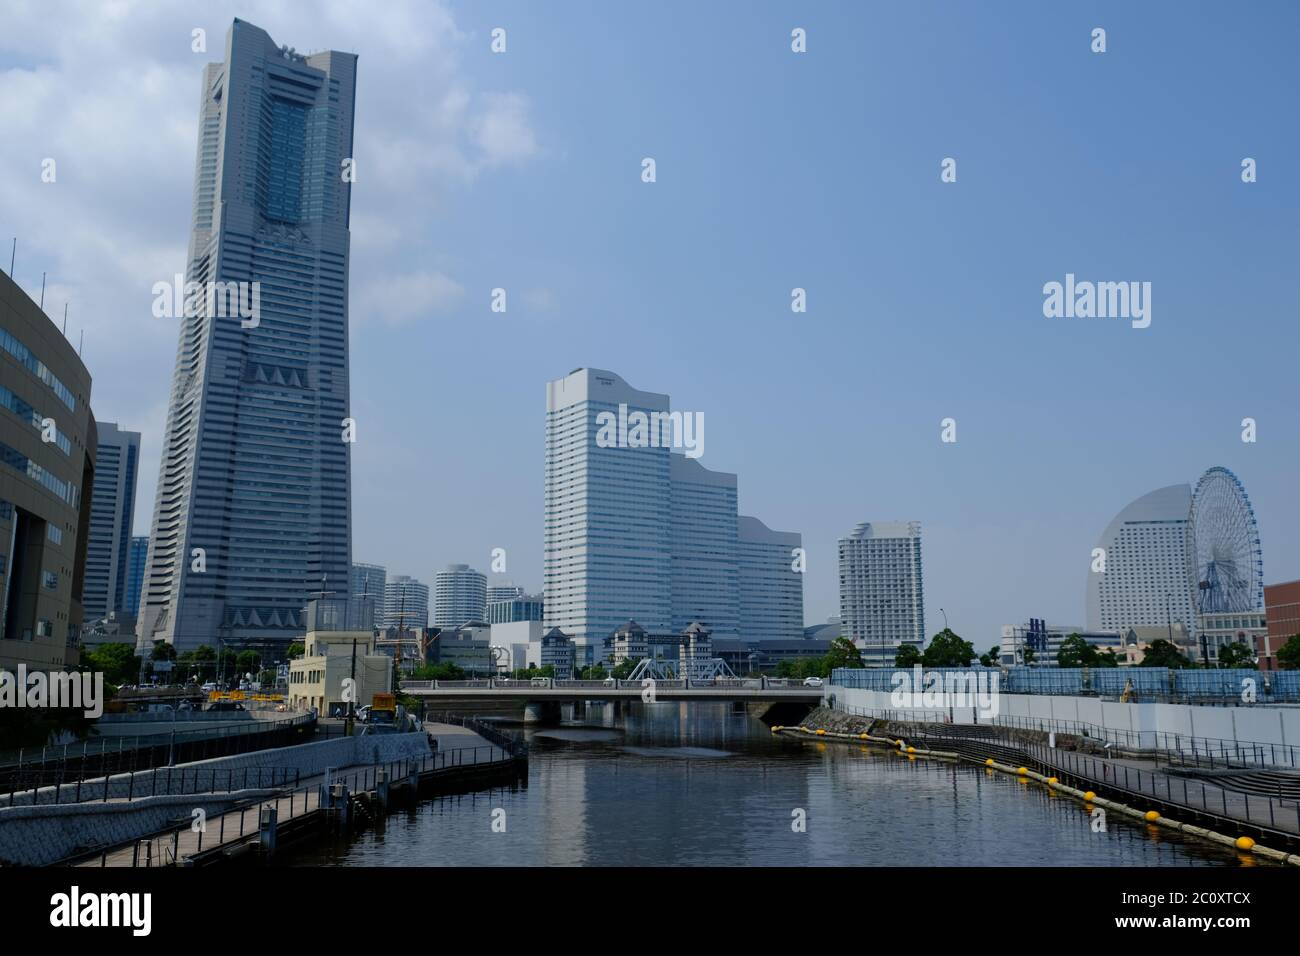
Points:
[(700, 784)]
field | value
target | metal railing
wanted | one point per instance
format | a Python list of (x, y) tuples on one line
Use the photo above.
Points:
[(608, 683), (163, 848), (1274, 813), (92, 759)]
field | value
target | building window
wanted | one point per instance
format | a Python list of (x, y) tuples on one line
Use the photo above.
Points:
[(49, 580), (54, 533)]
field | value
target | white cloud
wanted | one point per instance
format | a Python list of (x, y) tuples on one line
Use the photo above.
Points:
[(111, 92)]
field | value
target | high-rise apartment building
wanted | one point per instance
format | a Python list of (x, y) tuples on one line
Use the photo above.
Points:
[(882, 602), (526, 607), (112, 513), (406, 603), (252, 516), (459, 596)]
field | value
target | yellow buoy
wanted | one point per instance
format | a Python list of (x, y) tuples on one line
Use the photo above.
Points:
[(1245, 843), (803, 728), (1152, 816), (1052, 781), (1090, 796), (865, 736), (820, 732), (1022, 771), (911, 750), (989, 762)]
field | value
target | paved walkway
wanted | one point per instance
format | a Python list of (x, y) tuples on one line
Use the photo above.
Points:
[(456, 746)]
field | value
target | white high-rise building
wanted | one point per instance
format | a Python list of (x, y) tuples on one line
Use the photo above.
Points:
[(770, 589), (705, 573), (459, 596), (882, 602), (406, 602), (371, 580), (639, 534), (607, 539), (505, 591), (1146, 580)]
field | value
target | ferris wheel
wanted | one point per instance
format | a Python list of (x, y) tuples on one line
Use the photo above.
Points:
[(1224, 559)]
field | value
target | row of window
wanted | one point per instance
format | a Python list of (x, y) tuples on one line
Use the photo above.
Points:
[(20, 462), (26, 412), (38, 368)]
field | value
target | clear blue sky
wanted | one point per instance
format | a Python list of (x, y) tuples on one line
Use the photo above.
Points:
[(775, 170)]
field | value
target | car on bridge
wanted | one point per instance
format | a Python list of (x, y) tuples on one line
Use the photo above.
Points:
[(812, 682)]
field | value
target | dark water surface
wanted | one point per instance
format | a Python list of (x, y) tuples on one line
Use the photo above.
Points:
[(677, 784)]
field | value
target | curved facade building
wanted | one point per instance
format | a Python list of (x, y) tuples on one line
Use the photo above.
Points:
[(47, 470), (459, 596), (406, 602), (1145, 581)]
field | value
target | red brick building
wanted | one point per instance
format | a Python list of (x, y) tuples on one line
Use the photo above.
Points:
[(1282, 609)]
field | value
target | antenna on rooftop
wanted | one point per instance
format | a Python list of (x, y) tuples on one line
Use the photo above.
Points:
[(42, 291), (65, 320), (11, 257)]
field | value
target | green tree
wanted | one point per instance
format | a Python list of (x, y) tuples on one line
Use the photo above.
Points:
[(1238, 654), (248, 661), (1076, 652), (1029, 655), (117, 662), (946, 649), (594, 672), (908, 655), (162, 651), (624, 670), (843, 653), (993, 657), (1288, 655), (1160, 653), (295, 650), (443, 671)]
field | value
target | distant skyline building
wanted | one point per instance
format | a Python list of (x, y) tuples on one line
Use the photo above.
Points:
[(636, 532), (504, 591), (372, 580), (459, 596), (882, 599), (1146, 579), (253, 507), (406, 602), (771, 590), (135, 573), (112, 515), (526, 607), (705, 563)]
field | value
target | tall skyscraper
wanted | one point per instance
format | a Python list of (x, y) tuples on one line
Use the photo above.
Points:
[(135, 573), (371, 580), (634, 532), (705, 565), (459, 596), (771, 590), (1142, 575), (406, 602), (882, 603), (607, 540), (253, 508), (112, 513)]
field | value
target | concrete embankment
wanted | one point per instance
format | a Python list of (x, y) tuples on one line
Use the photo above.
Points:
[(33, 835), (825, 724)]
